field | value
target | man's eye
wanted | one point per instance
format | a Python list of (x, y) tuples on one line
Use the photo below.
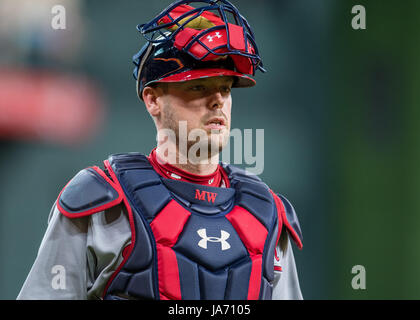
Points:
[(197, 88), (226, 89)]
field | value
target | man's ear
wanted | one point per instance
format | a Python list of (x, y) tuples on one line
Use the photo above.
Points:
[(150, 98)]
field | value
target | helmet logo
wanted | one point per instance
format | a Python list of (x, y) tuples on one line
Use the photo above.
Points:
[(210, 38)]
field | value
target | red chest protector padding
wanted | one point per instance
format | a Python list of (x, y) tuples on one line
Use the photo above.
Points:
[(190, 241), (206, 243)]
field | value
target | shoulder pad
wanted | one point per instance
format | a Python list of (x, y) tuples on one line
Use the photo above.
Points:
[(89, 192), (291, 221), (238, 173)]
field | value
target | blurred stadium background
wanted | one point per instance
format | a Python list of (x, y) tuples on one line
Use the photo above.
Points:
[(340, 110)]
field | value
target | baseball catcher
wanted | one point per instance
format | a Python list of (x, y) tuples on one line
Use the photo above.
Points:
[(176, 223)]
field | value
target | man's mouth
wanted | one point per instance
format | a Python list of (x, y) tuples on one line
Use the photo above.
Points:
[(216, 123)]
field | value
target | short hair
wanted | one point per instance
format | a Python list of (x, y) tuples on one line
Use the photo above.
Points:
[(162, 85)]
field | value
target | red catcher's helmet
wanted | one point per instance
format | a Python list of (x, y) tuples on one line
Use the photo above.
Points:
[(186, 43)]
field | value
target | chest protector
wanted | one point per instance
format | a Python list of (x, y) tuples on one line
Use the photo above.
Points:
[(189, 241)]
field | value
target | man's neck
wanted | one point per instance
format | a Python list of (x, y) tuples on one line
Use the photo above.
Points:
[(201, 167)]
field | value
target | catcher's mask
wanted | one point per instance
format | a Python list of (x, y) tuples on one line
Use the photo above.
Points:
[(186, 43)]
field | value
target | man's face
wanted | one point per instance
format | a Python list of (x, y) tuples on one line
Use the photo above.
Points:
[(204, 105)]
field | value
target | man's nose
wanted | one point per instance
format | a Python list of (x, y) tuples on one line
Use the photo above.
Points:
[(217, 100)]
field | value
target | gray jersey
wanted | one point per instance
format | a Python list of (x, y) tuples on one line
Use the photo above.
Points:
[(77, 257)]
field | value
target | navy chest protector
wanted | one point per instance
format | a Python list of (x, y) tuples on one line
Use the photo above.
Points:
[(189, 241)]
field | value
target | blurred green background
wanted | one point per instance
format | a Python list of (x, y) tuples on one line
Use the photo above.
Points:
[(339, 108)]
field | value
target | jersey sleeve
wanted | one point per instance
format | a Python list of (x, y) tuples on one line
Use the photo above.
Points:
[(286, 281), (59, 270), (77, 256)]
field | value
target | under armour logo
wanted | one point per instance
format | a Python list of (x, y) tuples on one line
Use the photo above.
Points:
[(204, 239), (210, 38)]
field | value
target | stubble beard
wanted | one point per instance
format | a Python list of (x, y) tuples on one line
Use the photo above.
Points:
[(213, 142)]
